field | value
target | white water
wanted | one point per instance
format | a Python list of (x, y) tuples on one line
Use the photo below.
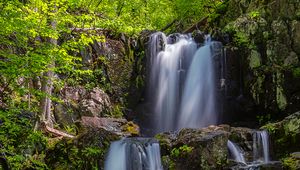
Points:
[(181, 84), (261, 146), (134, 154), (236, 152), (197, 107), (116, 158)]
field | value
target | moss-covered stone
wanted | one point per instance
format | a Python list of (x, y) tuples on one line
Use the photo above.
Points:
[(292, 162), (254, 59), (87, 151), (194, 149), (285, 134)]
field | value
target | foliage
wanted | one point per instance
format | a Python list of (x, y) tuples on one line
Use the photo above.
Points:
[(296, 72), (181, 151), (22, 147), (291, 163)]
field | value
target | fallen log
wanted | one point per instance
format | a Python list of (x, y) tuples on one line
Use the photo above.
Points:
[(196, 26), (55, 132), (169, 25)]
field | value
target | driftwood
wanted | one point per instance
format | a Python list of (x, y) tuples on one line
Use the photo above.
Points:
[(202, 22), (55, 132)]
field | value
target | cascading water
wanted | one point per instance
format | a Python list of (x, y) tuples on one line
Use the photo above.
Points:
[(261, 146), (134, 154), (181, 87), (260, 152), (197, 107), (236, 152)]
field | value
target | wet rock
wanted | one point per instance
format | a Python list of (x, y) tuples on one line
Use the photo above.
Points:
[(285, 134), (199, 36)]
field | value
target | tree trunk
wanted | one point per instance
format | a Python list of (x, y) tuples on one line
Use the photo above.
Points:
[(47, 86)]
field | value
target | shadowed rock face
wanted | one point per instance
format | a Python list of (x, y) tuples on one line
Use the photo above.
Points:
[(262, 61)]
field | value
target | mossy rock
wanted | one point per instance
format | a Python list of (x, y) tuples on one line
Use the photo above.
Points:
[(86, 151), (285, 134), (292, 162)]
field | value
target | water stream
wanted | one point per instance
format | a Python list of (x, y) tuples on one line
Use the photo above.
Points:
[(260, 151), (134, 154), (236, 152), (261, 146)]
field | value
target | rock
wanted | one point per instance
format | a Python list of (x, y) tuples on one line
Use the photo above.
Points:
[(78, 101), (206, 148), (199, 36), (292, 162), (296, 36), (120, 127), (86, 151), (285, 134), (95, 103), (254, 59), (267, 38), (291, 60), (194, 148), (274, 165)]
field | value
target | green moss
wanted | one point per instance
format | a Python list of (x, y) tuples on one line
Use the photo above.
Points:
[(257, 87), (181, 151), (280, 98), (292, 127), (270, 127), (167, 162), (131, 128), (291, 163), (254, 59), (296, 72)]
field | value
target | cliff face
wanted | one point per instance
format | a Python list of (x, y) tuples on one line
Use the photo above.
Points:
[(263, 50)]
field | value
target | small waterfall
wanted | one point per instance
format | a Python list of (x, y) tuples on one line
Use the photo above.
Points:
[(236, 152), (134, 154), (197, 108), (181, 87), (261, 146)]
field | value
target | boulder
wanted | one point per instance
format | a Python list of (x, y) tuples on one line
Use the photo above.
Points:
[(285, 134), (292, 162), (120, 127), (78, 101), (86, 151), (95, 103), (194, 148)]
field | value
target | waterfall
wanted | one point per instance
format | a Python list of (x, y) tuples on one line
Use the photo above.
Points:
[(236, 152), (261, 146), (197, 107), (134, 154), (181, 87)]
